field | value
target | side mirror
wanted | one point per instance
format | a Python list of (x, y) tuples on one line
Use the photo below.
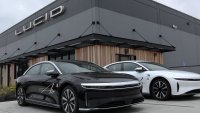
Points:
[(52, 73), (140, 69)]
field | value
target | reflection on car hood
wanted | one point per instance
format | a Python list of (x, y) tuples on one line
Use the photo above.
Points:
[(176, 74), (104, 77)]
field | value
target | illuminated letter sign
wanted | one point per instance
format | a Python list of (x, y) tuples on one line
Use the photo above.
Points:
[(40, 20)]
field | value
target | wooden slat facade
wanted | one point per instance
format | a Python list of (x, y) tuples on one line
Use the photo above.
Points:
[(103, 55), (98, 54), (36, 60)]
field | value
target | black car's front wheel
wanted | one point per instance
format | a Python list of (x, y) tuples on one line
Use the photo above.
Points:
[(21, 96), (160, 89), (69, 101)]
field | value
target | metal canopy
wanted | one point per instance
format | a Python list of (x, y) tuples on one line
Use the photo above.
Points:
[(93, 39)]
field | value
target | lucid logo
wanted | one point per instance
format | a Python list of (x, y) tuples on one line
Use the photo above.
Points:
[(49, 89), (40, 20)]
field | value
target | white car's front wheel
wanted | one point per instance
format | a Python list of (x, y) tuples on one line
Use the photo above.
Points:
[(160, 89)]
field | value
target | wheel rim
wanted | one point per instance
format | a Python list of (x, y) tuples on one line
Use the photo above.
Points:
[(20, 95), (68, 101), (160, 89)]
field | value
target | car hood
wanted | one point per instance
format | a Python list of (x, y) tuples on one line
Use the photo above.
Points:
[(105, 77), (176, 74)]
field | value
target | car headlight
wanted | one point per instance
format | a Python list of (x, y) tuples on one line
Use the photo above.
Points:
[(117, 85)]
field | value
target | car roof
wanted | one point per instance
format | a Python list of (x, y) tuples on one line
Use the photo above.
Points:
[(71, 61), (133, 61), (54, 61), (66, 61)]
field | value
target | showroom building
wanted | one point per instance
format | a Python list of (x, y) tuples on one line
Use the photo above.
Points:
[(102, 32)]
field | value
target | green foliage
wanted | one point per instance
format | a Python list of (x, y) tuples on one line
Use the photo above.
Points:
[(7, 90)]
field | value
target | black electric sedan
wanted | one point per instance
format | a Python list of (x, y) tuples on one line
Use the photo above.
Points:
[(76, 85)]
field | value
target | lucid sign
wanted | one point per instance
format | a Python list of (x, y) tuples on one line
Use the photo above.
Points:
[(40, 20)]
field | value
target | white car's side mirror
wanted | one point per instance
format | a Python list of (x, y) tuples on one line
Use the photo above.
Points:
[(139, 69)]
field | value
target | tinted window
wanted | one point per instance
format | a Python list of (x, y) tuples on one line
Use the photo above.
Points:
[(130, 66), (46, 67), (34, 70), (153, 66), (115, 67), (78, 67)]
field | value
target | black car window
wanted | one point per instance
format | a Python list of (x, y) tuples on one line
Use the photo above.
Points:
[(35, 70), (115, 67), (130, 66), (46, 67), (75, 67)]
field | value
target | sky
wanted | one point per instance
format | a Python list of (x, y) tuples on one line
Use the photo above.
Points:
[(14, 11), (190, 7)]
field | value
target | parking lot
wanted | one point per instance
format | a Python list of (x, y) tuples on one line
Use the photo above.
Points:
[(176, 105)]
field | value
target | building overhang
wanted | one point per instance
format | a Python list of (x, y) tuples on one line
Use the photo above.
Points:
[(89, 40)]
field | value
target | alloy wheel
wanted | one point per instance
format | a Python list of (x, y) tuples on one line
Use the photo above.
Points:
[(20, 96), (69, 100), (160, 89)]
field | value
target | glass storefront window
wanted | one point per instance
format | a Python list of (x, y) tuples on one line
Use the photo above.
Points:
[(121, 57), (68, 55)]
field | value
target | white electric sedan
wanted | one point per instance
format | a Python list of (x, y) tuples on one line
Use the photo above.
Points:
[(157, 80)]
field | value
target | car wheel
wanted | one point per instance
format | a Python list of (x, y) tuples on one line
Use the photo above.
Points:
[(69, 101), (160, 89), (21, 96)]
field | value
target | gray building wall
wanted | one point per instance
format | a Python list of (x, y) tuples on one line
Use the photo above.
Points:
[(77, 17), (117, 18), (150, 20)]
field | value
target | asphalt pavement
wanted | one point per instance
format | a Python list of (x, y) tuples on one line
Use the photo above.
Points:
[(175, 105)]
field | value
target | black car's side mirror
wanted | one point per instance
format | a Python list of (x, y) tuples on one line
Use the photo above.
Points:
[(140, 69), (52, 73)]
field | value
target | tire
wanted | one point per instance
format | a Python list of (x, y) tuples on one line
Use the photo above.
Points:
[(160, 89), (20, 95), (189, 96), (69, 100)]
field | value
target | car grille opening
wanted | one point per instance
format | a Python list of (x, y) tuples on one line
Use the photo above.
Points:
[(122, 103)]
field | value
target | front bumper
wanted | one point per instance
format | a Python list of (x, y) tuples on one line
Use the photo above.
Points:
[(139, 100), (187, 87), (110, 98)]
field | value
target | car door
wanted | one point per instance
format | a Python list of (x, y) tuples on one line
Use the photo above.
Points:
[(128, 68), (41, 87), (32, 81), (49, 85)]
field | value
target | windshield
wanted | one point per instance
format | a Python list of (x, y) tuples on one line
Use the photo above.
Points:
[(153, 66), (78, 67)]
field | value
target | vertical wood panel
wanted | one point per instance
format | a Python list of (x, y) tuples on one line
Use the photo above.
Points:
[(12, 79), (5, 76)]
